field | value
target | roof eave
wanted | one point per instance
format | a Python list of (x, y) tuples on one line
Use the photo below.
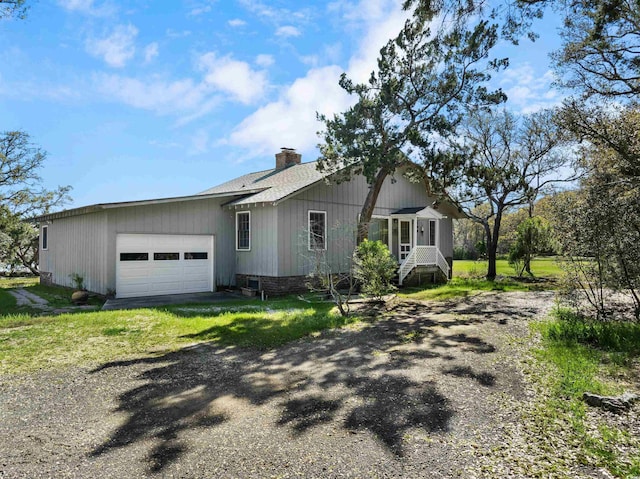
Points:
[(106, 206)]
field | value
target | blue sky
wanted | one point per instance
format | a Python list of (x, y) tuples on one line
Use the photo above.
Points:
[(147, 99)]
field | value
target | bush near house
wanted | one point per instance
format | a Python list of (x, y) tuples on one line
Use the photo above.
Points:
[(375, 268)]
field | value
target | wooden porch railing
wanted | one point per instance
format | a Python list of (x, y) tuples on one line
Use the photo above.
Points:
[(423, 256)]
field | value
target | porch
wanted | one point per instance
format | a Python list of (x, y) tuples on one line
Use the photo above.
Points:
[(413, 237)]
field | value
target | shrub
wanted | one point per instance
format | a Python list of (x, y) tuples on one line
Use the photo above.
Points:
[(78, 281), (374, 268)]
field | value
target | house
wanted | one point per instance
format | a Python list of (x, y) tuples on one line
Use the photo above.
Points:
[(257, 230)]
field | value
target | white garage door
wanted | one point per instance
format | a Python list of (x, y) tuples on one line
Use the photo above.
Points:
[(150, 265)]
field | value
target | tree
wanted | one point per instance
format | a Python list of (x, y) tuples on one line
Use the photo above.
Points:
[(533, 237), (467, 234), (411, 103), (18, 243), (599, 54), (331, 273), (510, 161), (599, 230), (20, 184), (13, 9), (22, 196)]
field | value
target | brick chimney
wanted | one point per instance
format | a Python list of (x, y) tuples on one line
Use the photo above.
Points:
[(287, 157)]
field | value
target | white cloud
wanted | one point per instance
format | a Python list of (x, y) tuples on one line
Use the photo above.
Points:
[(150, 52), (288, 31), (274, 15), (236, 22), (200, 10), (259, 8), (527, 90), (291, 119), (171, 33), (76, 5), (223, 79), (116, 49), (383, 21), (87, 7), (234, 77), (330, 54), (264, 60), (156, 94)]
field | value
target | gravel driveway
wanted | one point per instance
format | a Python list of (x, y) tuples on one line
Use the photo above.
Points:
[(417, 393)]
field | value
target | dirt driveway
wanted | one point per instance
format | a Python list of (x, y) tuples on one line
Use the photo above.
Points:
[(416, 394)]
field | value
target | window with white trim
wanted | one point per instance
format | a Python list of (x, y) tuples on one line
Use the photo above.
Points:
[(317, 226), (432, 232), (243, 231), (45, 237)]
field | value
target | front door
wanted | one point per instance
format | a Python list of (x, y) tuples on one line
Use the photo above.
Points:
[(404, 233)]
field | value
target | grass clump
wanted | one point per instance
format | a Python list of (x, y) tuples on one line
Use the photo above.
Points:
[(579, 355), (611, 337)]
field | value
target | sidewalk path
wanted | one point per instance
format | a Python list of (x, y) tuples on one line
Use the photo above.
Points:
[(26, 298)]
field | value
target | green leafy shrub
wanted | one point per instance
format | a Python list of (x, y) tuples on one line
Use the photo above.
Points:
[(374, 268), (533, 237), (78, 281)]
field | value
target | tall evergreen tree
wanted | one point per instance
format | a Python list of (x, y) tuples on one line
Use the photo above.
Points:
[(412, 103)]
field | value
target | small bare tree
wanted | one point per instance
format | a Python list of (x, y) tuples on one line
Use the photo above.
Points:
[(329, 257)]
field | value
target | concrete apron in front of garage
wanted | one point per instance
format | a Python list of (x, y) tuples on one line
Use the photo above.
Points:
[(154, 301)]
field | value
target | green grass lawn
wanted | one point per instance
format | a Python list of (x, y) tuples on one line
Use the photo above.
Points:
[(468, 279), (540, 267), (31, 340)]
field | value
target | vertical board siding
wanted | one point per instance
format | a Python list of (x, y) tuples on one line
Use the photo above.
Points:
[(77, 245), (446, 237), (342, 202), (86, 244), (262, 258), (201, 217)]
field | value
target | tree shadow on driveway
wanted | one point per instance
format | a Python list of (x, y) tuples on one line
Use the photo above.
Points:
[(380, 378)]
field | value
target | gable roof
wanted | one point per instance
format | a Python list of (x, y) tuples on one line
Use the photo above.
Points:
[(267, 186), (273, 185)]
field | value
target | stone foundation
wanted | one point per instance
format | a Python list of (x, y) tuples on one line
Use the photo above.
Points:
[(46, 278), (273, 285)]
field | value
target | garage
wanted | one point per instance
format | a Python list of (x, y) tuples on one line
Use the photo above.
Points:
[(156, 264)]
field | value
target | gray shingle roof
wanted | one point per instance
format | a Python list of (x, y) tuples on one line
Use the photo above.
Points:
[(274, 184)]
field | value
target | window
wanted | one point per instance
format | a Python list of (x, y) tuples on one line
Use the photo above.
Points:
[(45, 237), (243, 231), (379, 230), (405, 232), (166, 256), (196, 256), (134, 256), (317, 230), (432, 233)]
